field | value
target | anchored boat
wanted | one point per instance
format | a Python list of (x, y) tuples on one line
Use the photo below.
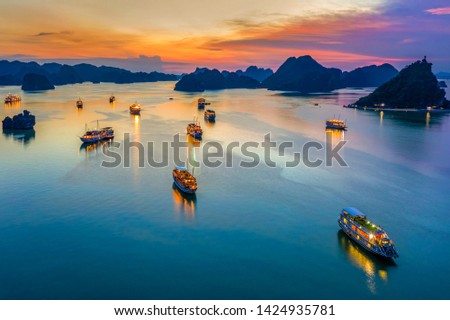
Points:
[(135, 108), (210, 115), (79, 103), (201, 102), (11, 98), (184, 180), (194, 130), (365, 233), (96, 135), (336, 124)]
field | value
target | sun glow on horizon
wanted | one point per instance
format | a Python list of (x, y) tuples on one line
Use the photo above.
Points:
[(226, 34)]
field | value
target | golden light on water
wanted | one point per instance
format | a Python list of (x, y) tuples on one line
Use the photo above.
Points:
[(365, 261), (184, 204)]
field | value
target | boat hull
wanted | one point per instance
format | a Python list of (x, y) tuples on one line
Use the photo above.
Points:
[(364, 243), (91, 140), (181, 187), (330, 126)]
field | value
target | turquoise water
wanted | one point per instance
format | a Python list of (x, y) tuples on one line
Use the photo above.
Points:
[(71, 229)]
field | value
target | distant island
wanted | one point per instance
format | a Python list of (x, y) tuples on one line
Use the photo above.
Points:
[(14, 72), (33, 82), (302, 74), (205, 79), (370, 76), (415, 87)]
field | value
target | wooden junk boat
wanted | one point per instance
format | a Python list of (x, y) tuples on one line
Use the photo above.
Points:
[(184, 180), (79, 103), (194, 130), (95, 135), (336, 124), (135, 108), (210, 115)]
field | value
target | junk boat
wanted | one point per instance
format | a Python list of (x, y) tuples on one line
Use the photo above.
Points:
[(201, 102), (184, 180), (336, 124), (194, 130), (112, 99), (135, 108), (79, 103), (96, 135), (210, 115), (11, 98), (368, 235)]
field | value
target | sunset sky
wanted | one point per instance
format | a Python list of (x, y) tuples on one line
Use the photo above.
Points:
[(178, 35)]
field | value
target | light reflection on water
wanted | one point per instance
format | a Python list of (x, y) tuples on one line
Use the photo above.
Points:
[(372, 266), (72, 229)]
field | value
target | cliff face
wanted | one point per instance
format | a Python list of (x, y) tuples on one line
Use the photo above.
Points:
[(370, 76), (259, 74), (21, 121), (304, 74), (205, 79), (34, 81), (414, 87)]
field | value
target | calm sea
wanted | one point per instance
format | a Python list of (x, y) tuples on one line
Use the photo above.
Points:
[(71, 229)]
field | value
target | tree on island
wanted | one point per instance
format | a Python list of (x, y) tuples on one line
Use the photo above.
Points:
[(415, 87)]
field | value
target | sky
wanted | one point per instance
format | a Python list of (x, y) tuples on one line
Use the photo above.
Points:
[(178, 35)]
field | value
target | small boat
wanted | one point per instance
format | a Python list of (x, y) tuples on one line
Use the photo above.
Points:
[(107, 133), (210, 115), (201, 102), (135, 108), (194, 130), (91, 136), (368, 235), (112, 99), (184, 180), (336, 124), (11, 98), (79, 103), (96, 135)]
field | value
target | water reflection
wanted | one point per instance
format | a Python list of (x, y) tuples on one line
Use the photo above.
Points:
[(416, 118), (94, 146), (15, 104), (184, 204), (210, 123), (334, 136), (193, 156), (22, 136), (373, 267)]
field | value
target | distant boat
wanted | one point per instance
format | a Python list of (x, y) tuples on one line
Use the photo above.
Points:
[(112, 99), (201, 102), (11, 98), (184, 180), (210, 115), (336, 124), (79, 103), (368, 235), (194, 130), (135, 108), (96, 135)]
